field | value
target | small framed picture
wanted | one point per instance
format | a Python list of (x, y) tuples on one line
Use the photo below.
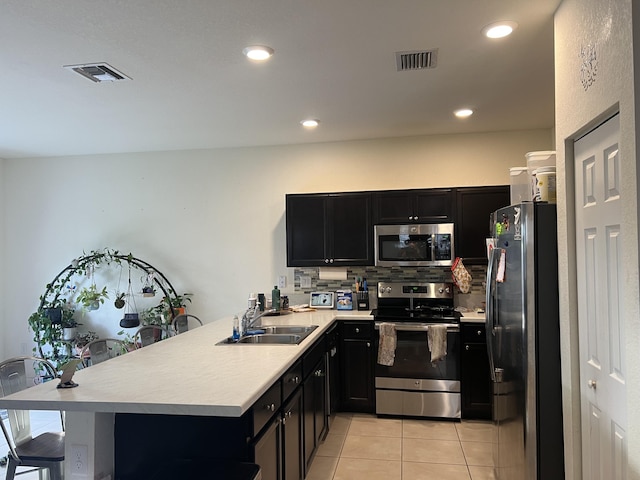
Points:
[(321, 300)]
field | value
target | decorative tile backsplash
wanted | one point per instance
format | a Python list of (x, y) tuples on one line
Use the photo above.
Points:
[(395, 274)]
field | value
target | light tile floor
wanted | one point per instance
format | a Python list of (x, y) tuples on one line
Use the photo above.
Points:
[(369, 448)]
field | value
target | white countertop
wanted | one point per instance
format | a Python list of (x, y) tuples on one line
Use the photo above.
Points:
[(473, 317), (184, 375)]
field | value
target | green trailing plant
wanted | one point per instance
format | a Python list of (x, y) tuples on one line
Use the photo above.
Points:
[(91, 298), (60, 297)]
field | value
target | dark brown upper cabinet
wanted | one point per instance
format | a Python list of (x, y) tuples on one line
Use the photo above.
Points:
[(329, 229), (472, 225), (435, 205)]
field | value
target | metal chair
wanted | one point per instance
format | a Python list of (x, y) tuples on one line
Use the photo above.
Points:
[(102, 349), (180, 323), (150, 334), (45, 450)]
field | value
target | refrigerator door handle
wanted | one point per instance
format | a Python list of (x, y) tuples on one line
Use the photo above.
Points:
[(489, 319)]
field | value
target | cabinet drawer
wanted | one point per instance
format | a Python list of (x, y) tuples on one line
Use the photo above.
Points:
[(474, 333), (266, 406), (291, 380), (357, 330), (311, 358)]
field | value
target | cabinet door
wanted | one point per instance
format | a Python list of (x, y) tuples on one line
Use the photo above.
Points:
[(475, 205), (435, 206), (357, 375), (475, 376), (315, 410), (306, 220), (350, 232), (320, 397), (292, 438), (393, 207), (267, 452)]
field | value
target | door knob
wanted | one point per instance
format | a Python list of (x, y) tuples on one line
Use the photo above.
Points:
[(592, 384)]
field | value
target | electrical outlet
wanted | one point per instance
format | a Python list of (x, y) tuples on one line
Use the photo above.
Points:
[(79, 459), (282, 282)]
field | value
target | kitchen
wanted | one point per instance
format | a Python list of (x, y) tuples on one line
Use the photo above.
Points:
[(154, 201)]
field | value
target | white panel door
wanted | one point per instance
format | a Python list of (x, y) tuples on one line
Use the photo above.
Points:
[(601, 326)]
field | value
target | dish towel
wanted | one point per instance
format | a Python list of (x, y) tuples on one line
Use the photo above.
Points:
[(437, 338), (387, 348)]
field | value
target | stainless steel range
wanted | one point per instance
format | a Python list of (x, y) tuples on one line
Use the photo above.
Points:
[(413, 385)]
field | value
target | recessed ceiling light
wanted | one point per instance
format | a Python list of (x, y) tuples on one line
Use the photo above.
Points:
[(499, 29), (463, 113), (310, 123), (258, 52)]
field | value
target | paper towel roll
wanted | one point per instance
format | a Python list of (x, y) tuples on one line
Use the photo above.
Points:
[(332, 273)]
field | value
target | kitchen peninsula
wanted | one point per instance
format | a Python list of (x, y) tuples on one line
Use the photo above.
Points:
[(186, 375)]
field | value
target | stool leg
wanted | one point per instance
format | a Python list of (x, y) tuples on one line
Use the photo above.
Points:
[(11, 468), (56, 471)]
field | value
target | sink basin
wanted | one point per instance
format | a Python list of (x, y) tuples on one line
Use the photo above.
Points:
[(285, 339), (274, 335), (288, 329)]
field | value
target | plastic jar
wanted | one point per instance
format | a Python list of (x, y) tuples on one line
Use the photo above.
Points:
[(520, 185), (545, 184)]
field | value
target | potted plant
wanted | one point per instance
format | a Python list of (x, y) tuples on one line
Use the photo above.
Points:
[(119, 302), (69, 329), (82, 339), (91, 298)]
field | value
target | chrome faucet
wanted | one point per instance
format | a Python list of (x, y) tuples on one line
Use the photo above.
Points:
[(252, 315)]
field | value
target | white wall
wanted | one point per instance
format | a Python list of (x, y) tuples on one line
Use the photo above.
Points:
[(3, 333), (607, 25), (212, 220)]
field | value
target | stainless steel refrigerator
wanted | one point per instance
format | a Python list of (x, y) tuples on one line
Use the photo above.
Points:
[(523, 341)]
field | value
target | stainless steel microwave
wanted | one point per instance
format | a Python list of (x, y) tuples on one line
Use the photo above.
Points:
[(414, 245)]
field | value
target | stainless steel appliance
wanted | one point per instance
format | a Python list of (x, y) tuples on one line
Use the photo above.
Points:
[(414, 245), (523, 343), (413, 385)]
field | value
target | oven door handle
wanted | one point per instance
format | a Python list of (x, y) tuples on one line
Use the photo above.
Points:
[(420, 327)]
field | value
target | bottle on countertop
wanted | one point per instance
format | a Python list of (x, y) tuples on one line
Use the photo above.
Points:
[(236, 329), (275, 298)]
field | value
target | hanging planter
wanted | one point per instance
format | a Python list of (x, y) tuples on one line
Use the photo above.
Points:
[(119, 301), (147, 288), (131, 318)]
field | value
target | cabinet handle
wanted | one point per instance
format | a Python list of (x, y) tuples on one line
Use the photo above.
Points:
[(318, 373), (295, 379), (288, 414), (331, 261), (271, 408), (326, 260), (368, 344), (479, 333), (466, 347), (410, 218), (357, 330)]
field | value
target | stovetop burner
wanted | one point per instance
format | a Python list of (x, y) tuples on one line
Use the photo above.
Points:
[(410, 302)]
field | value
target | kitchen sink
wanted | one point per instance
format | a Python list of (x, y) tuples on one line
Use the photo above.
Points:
[(285, 339), (288, 329), (274, 335)]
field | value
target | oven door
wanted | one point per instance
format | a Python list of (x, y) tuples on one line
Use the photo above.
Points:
[(413, 385), (413, 358)]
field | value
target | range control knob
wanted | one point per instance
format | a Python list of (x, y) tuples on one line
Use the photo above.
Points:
[(441, 290)]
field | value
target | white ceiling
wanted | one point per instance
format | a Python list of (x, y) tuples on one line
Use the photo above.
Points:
[(334, 60)]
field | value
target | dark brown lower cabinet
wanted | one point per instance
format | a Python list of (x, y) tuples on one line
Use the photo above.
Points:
[(267, 451), (315, 410), (475, 377), (292, 455), (357, 366)]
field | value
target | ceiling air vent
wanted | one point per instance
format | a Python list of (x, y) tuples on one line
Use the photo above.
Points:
[(98, 72), (416, 60)]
